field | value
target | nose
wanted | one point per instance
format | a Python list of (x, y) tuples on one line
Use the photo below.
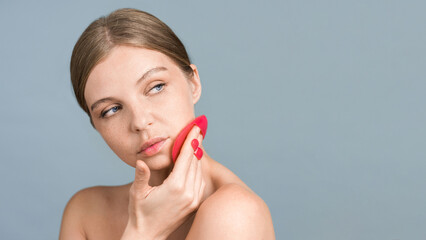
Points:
[(141, 118)]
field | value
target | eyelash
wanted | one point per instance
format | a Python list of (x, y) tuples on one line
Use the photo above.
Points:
[(162, 86), (106, 111), (118, 107)]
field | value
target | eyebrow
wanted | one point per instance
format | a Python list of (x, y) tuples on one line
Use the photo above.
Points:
[(144, 77), (150, 72)]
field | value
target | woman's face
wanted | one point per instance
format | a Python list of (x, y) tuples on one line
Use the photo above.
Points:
[(140, 100)]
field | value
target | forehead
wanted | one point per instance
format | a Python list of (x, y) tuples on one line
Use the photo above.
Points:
[(123, 64)]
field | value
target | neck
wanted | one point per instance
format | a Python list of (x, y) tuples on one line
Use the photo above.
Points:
[(157, 177)]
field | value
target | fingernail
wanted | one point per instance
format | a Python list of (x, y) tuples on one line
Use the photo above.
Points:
[(199, 153), (194, 144)]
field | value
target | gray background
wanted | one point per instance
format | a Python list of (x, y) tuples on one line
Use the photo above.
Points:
[(319, 106)]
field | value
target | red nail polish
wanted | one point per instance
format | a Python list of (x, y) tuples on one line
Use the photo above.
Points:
[(194, 144), (201, 122), (199, 153)]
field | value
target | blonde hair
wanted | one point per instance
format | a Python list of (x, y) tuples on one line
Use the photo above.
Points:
[(125, 26)]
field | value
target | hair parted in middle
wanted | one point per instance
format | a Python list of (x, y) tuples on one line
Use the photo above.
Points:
[(125, 26)]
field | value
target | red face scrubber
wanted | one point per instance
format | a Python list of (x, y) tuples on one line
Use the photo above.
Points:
[(201, 122)]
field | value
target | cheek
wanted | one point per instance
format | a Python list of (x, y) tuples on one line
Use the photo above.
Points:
[(179, 101), (114, 138), (178, 110)]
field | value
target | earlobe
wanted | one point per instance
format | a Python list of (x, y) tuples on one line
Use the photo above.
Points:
[(195, 84)]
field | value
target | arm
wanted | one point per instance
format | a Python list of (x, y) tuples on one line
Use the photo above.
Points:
[(232, 212), (71, 226)]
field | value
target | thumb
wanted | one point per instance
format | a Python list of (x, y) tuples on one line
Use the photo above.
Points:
[(142, 175)]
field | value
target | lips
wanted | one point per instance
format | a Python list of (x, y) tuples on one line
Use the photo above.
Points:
[(152, 146)]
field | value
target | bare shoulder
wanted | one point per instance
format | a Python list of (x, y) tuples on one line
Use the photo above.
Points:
[(89, 199), (83, 207), (232, 212)]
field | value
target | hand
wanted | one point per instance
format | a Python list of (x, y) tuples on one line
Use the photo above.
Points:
[(155, 212)]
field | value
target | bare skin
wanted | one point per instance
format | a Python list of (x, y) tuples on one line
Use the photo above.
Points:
[(101, 212), (129, 116)]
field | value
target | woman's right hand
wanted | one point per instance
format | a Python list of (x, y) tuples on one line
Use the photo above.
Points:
[(155, 212)]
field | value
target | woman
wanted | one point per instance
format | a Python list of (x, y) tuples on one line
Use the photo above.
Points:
[(133, 77)]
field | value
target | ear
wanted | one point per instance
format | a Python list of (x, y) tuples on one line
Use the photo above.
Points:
[(195, 84)]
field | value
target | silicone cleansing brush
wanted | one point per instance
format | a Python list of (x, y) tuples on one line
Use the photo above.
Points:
[(201, 122)]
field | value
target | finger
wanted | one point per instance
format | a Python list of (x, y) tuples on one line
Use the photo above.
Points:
[(194, 168), (201, 190), (183, 161), (198, 152), (200, 140), (198, 179), (192, 172), (199, 174), (142, 175), (191, 175)]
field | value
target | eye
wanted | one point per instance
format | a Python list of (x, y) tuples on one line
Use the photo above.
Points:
[(158, 87), (110, 112)]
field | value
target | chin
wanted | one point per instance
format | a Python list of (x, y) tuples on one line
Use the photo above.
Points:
[(159, 162)]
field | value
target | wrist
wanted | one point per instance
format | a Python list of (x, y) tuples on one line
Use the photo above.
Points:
[(132, 232)]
